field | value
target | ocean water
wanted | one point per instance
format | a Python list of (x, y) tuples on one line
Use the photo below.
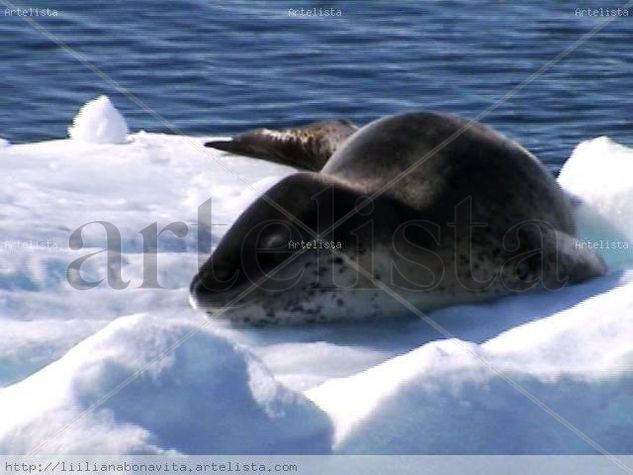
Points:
[(205, 68)]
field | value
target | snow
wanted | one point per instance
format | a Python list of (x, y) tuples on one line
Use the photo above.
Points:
[(99, 121), (206, 396), (453, 396), (541, 373), (598, 172)]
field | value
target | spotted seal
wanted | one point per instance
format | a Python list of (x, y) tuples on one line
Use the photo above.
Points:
[(439, 209)]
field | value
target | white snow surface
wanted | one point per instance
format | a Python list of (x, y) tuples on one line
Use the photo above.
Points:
[(206, 395), (99, 121), (541, 373)]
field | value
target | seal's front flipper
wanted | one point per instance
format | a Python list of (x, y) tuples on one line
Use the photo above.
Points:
[(578, 261), (551, 259), (307, 147)]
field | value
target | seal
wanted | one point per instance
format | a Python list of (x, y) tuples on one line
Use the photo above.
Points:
[(308, 147), (441, 210)]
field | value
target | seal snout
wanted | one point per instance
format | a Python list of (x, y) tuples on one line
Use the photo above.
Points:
[(213, 284)]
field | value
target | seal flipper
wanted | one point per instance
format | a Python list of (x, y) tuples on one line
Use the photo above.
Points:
[(578, 262), (307, 147), (552, 260)]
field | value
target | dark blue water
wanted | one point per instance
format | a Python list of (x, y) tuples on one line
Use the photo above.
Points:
[(223, 67)]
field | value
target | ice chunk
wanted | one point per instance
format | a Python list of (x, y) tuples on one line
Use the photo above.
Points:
[(99, 121), (206, 396), (552, 386), (599, 174)]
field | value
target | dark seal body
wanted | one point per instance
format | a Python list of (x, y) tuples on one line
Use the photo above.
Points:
[(439, 209)]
